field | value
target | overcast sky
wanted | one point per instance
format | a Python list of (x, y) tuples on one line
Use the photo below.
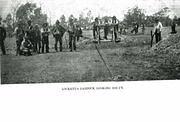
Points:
[(55, 8)]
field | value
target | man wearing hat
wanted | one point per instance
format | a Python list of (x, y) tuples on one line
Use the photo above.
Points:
[(30, 34), (157, 30), (106, 28), (37, 38), (115, 28), (2, 38), (78, 33), (58, 32), (19, 32), (96, 29), (71, 31), (173, 26), (45, 37)]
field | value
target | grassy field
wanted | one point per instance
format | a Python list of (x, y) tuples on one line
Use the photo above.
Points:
[(125, 59)]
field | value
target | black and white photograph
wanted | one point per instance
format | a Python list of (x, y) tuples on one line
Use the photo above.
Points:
[(89, 60), (75, 41)]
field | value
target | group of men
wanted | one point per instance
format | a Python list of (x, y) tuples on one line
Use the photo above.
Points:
[(31, 38), (107, 26)]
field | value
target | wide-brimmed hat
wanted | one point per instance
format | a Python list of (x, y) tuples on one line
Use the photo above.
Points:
[(45, 24), (114, 17)]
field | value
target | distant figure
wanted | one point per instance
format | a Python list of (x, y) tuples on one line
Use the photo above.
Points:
[(78, 32), (58, 32), (71, 31), (143, 28), (173, 27), (96, 29), (157, 30), (106, 28), (121, 28), (37, 38), (115, 28), (45, 37), (20, 33), (135, 28), (2, 38)]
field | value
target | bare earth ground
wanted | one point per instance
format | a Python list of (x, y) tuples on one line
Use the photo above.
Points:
[(127, 60)]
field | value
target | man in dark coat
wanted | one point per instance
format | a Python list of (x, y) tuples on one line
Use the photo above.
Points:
[(106, 28), (96, 29), (45, 37), (72, 31), (58, 32), (173, 27), (37, 38), (2, 38), (30, 34), (78, 33), (19, 32), (115, 28)]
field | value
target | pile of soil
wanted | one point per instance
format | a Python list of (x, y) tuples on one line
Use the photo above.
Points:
[(167, 54), (169, 45)]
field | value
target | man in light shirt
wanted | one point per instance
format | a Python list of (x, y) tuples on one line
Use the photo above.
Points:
[(157, 30)]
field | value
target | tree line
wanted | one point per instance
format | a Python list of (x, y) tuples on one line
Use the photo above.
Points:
[(30, 11)]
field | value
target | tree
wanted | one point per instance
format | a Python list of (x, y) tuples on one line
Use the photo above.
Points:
[(89, 16), (25, 11), (134, 15), (38, 17), (14, 7), (163, 16), (30, 11)]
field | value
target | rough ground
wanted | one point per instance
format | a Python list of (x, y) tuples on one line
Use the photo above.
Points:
[(131, 59)]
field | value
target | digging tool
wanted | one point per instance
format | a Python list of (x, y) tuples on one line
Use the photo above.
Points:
[(152, 37)]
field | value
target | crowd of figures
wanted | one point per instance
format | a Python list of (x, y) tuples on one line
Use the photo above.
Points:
[(32, 38)]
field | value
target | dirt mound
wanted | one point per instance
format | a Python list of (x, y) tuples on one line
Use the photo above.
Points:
[(170, 44), (167, 55)]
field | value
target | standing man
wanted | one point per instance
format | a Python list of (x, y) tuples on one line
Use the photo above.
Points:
[(157, 30), (45, 37), (37, 38), (143, 28), (58, 32), (71, 31), (19, 32), (106, 28), (78, 32), (115, 28), (96, 29), (30, 34), (2, 38), (173, 26), (136, 28)]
